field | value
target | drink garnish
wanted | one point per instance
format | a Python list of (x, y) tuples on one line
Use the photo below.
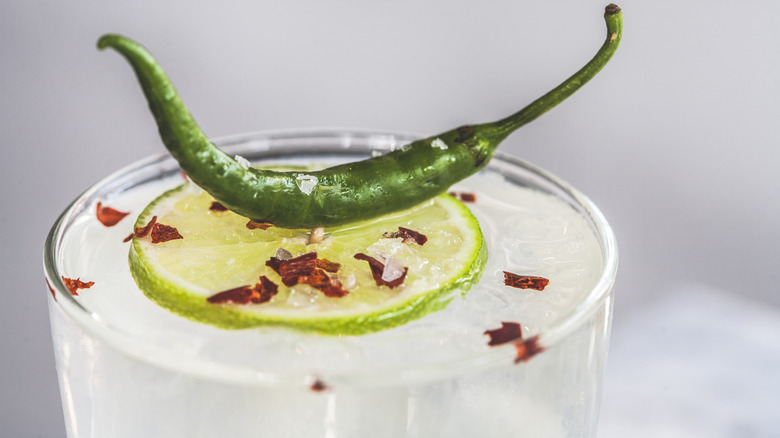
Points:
[(525, 281), (254, 225), (216, 206), (345, 193), (109, 216), (327, 265), (467, 197), (261, 292), (322, 288), (73, 285), (407, 236), (378, 271), (164, 233), (512, 332), (509, 331), (291, 269), (317, 385), (311, 270), (527, 349), (330, 285), (141, 232), (355, 200), (158, 232)]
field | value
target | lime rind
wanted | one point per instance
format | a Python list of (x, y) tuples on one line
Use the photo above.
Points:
[(188, 299)]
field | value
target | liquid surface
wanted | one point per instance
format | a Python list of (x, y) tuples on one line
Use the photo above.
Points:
[(527, 232)]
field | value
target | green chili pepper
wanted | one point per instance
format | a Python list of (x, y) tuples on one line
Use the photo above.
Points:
[(345, 193)]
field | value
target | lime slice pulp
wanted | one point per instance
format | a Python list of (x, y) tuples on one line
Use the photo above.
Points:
[(218, 252)]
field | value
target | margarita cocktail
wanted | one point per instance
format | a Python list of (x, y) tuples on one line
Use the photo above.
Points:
[(128, 367)]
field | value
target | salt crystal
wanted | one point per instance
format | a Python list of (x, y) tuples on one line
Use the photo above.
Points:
[(243, 162), (283, 254), (306, 183), (316, 236), (394, 269), (439, 143), (350, 282)]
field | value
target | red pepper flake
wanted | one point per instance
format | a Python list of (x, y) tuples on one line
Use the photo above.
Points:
[(238, 295), (508, 332), (528, 349), (308, 269), (328, 265), (290, 270), (74, 285), (163, 233), (128, 238), (293, 268), (335, 289), (144, 231), (261, 292), (408, 236), (252, 225), (274, 263), (377, 268), (159, 232), (525, 281), (318, 279), (327, 284), (464, 196), (468, 197), (51, 289), (109, 216), (318, 385), (184, 176), (216, 206)]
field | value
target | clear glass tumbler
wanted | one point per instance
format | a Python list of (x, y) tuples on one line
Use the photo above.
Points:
[(127, 368)]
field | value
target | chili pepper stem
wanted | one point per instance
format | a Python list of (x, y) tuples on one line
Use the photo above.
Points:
[(499, 130)]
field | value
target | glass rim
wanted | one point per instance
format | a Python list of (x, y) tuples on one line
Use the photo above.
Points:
[(115, 338)]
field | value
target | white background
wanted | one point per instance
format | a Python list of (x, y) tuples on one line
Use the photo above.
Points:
[(677, 141)]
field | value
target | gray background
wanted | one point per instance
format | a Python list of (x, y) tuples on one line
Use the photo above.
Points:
[(676, 141)]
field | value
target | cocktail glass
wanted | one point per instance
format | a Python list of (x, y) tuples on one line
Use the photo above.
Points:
[(129, 369)]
